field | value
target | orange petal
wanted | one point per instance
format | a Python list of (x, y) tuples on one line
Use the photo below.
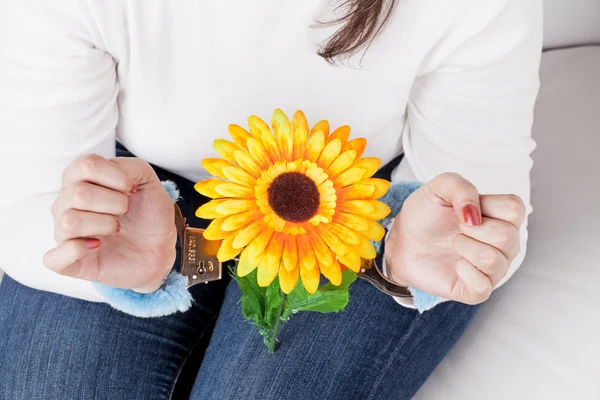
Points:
[(248, 234), (238, 175), (373, 209), (267, 271), (332, 272), (322, 126), (288, 279), (259, 153), (299, 121), (322, 251), (290, 253), (333, 241), (300, 143), (306, 255), (310, 279), (239, 135), (356, 191), (214, 166), (370, 164), (342, 133), (345, 234), (350, 176), (230, 189), (246, 161), (358, 144), (227, 251), (208, 188), (233, 206), (351, 260), (342, 163), (246, 264), (283, 132), (237, 221), (209, 210), (274, 250), (330, 152), (225, 148), (352, 221), (214, 231), (258, 245)]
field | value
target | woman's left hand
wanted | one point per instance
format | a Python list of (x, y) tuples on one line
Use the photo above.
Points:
[(452, 242)]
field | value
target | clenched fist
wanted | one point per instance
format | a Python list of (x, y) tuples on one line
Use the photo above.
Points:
[(113, 224), (452, 242)]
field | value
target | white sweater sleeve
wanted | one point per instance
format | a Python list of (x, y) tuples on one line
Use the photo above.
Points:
[(58, 96), (471, 111)]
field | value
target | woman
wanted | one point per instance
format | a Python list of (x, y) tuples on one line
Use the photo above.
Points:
[(451, 85)]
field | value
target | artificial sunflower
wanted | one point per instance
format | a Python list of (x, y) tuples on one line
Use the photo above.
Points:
[(296, 203)]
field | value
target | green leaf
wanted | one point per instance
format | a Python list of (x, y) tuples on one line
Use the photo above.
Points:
[(260, 305), (328, 298)]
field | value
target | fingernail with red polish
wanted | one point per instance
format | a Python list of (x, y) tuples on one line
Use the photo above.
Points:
[(118, 229), (134, 188), (471, 215), (92, 243)]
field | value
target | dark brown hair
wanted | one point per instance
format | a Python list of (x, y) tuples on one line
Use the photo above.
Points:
[(364, 20)]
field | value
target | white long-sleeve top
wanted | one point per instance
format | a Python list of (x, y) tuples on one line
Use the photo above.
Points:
[(450, 83)]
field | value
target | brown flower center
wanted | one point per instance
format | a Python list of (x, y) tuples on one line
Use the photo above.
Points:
[(294, 197)]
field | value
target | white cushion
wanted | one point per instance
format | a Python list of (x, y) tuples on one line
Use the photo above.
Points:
[(571, 22), (538, 337)]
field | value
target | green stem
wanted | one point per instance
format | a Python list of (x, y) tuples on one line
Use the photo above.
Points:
[(277, 327)]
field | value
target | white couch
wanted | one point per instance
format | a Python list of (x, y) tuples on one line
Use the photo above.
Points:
[(538, 337)]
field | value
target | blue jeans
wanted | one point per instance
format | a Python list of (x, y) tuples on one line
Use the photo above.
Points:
[(56, 347)]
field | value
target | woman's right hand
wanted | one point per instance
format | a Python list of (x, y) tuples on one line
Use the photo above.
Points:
[(113, 224)]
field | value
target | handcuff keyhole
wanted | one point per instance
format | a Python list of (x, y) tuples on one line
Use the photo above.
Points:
[(201, 269)]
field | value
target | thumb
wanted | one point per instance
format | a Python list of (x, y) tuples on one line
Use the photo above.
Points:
[(137, 169), (461, 194)]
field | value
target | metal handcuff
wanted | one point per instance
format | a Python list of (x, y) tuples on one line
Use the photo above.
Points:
[(199, 261)]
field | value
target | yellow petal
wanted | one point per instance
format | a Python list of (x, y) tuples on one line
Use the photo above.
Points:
[(208, 188), (310, 279), (300, 143), (246, 161), (288, 279), (214, 231), (238, 175), (225, 148), (274, 250), (227, 251), (233, 206), (290, 253), (370, 164), (322, 251), (342, 133), (332, 272), (322, 126), (350, 176), (315, 173), (274, 221), (248, 234), (352, 221), (373, 209), (344, 233), (329, 153), (299, 121), (209, 210), (258, 245), (333, 241), (306, 255), (375, 231), (358, 144), (315, 146), (237, 221), (257, 126), (351, 260), (356, 191), (271, 146), (214, 166), (283, 133), (342, 163), (267, 271), (239, 135), (365, 249), (259, 153), (246, 264), (230, 189), (381, 186)]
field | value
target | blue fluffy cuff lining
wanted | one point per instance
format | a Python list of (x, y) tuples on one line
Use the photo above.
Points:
[(170, 298), (395, 197)]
